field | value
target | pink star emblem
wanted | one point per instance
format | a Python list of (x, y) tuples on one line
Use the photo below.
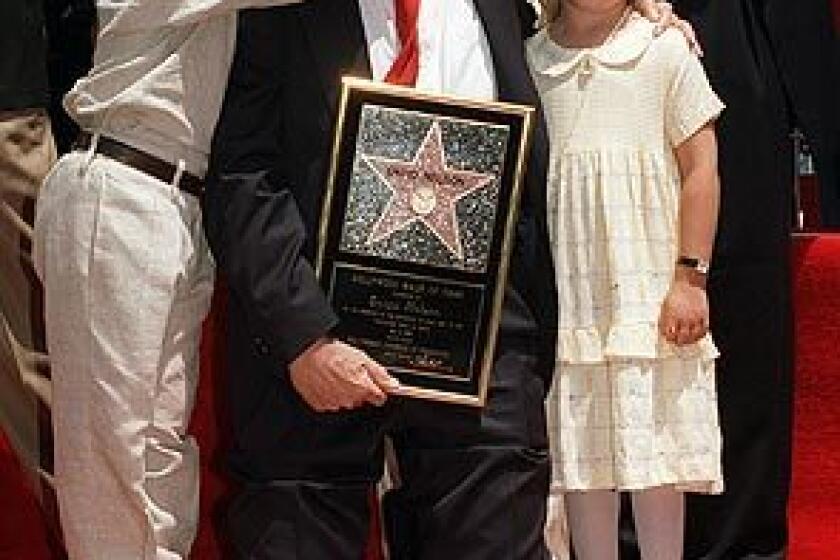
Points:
[(424, 190)]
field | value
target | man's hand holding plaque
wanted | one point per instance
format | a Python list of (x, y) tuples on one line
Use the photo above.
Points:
[(332, 376)]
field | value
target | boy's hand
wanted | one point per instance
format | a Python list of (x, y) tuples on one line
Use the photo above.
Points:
[(662, 14), (684, 318)]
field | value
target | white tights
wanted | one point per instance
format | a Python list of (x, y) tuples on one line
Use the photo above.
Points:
[(658, 513)]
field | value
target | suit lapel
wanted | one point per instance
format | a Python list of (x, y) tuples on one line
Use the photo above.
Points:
[(502, 29), (337, 43), (513, 80), (489, 12)]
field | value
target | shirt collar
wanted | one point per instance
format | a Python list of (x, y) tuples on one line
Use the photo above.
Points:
[(629, 44)]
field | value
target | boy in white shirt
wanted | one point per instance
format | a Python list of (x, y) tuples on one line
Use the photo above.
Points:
[(128, 276)]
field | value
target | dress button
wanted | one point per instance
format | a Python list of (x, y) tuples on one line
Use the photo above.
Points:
[(587, 67)]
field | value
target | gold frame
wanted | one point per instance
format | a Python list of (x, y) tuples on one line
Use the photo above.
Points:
[(350, 84)]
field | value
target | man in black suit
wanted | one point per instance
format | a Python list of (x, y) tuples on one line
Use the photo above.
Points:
[(308, 445), (770, 60)]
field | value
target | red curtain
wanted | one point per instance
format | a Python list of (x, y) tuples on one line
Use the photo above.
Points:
[(837, 15)]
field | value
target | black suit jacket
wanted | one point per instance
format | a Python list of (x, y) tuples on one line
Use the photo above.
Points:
[(70, 25), (763, 58), (774, 63), (23, 65), (806, 47), (266, 180)]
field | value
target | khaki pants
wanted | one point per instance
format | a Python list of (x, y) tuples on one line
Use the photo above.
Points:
[(27, 152), (127, 283)]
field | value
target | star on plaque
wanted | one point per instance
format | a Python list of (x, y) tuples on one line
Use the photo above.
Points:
[(424, 190)]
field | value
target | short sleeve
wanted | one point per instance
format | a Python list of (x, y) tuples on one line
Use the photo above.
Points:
[(691, 101)]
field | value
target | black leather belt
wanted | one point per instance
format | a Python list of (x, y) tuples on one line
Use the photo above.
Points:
[(141, 161)]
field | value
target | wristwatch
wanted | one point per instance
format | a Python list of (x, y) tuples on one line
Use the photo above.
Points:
[(694, 263)]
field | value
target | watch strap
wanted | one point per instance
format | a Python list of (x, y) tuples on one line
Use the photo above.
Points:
[(694, 263)]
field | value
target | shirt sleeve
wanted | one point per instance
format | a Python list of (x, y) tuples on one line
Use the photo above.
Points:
[(691, 101), (145, 14)]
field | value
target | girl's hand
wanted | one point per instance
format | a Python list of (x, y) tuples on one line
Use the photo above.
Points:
[(684, 318), (662, 14)]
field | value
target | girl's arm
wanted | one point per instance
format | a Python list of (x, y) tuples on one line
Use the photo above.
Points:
[(700, 198), (685, 313)]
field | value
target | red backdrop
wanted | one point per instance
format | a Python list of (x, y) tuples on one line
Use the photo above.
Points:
[(837, 15)]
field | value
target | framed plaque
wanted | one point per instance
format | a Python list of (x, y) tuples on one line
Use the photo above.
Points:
[(416, 232)]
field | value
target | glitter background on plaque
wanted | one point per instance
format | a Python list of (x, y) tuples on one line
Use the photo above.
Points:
[(397, 134)]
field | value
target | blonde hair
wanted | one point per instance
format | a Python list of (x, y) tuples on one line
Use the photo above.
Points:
[(550, 11)]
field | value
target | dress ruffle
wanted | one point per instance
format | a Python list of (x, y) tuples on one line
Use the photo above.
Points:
[(633, 341), (582, 346)]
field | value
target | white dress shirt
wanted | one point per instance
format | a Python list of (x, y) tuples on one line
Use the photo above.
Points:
[(159, 75), (455, 57)]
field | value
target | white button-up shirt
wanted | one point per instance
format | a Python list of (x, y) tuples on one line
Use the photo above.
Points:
[(159, 75), (455, 57)]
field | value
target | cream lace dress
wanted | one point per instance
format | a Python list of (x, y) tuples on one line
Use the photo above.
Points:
[(627, 411)]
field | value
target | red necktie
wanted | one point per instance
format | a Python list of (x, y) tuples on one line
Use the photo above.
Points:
[(407, 65)]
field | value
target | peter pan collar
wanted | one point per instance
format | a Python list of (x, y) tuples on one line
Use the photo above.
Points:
[(628, 45)]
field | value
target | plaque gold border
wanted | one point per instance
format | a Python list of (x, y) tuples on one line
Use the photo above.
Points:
[(350, 84)]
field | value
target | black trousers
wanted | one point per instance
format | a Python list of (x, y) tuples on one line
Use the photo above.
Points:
[(755, 394), (474, 483)]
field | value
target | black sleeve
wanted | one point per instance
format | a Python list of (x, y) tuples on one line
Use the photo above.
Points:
[(23, 62), (251, 218)]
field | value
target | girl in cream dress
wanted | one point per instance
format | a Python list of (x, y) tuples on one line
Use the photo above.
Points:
[(633, 199)]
